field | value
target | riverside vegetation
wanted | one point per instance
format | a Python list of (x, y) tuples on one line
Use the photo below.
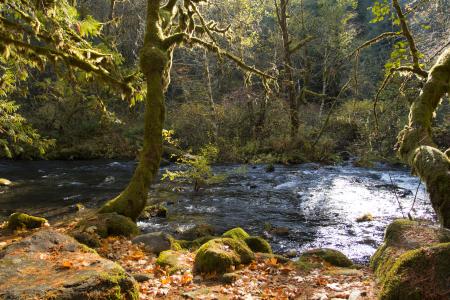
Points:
[(281, 81)]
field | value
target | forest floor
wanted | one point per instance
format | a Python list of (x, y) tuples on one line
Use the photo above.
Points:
[(265, 278)]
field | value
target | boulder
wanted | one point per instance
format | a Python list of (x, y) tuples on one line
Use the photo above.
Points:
[(198, 231), (331, 256), (258, 244), (174, 261), (51, 265), (108, 224), (221, 255), (152, 211), (24, 221), (156, 242), (89, 230), (413, 252), (236, 233), (195, 244)]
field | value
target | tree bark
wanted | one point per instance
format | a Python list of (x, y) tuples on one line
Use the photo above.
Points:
[(155, 63), (415, 145), (282, 17)]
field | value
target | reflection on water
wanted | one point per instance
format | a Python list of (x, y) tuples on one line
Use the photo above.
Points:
[(317, 205)]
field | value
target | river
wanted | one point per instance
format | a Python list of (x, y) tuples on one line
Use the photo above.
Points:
[(317, 206)]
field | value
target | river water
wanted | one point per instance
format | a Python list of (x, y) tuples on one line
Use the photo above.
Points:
[(317, 206)]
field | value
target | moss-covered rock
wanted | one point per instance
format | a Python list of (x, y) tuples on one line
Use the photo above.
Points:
[(412, 250), (220, 255), (174, 261), (195, 244), (429, 266), (108, 224), (151, 211), (23, 221), (236, 233), (51, 265), (260, 257), (197, 231), (331, 256), (258, 244)]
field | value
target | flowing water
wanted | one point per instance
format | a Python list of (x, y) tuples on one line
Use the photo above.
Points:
[(316, 206)]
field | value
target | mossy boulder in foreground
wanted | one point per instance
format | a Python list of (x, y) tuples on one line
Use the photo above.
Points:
[(50, 265), (413, 262), (330, 256), (24, 221), (220, 255), (423, 273), (258, 244), (236, 233)]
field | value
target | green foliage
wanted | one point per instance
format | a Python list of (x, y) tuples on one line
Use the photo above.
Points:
[(197, 168), (16, 135)]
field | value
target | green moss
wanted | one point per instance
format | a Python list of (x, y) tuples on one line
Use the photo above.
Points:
[(393, 234), (173, 261), (331, 256), (429, 265), (219, 255), (306, 265), (122, 287), (280, 258), (195, 244), (24, 221), (150, 211), (107, 224), (258, 244), (198, 231), (236, 233)]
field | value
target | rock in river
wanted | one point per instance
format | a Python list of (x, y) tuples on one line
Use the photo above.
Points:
[(51, 265)]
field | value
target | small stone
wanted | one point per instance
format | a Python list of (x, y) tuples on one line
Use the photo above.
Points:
[(291, 253), (140, 277), (155, 242), (230, 277)]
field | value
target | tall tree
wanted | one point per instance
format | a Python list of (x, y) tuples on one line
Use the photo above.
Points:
[(155, 63), (281, 7), (52, 31)]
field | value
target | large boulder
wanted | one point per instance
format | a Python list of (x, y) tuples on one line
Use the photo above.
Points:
[(221, 255), (51, 265), (413, 262)]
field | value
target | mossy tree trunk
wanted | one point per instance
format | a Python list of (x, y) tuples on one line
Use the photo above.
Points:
[(155, 64), (167, 27), (415, 142)]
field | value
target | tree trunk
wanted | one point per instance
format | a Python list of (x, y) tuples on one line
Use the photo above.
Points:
[(288, 73), (155, 64), (415, 142)]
